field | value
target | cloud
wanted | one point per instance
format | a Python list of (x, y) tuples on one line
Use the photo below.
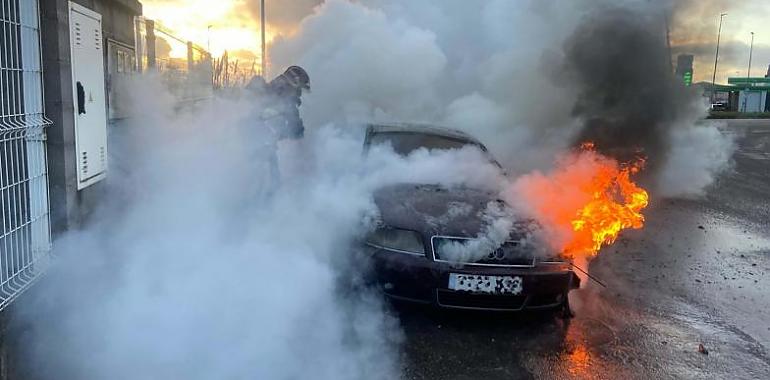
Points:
[(283, 15)]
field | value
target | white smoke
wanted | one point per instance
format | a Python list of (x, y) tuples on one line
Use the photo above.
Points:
[(190, 269), (699, 154), (454, 63), (497, 230), (363, 64), (493, 69)]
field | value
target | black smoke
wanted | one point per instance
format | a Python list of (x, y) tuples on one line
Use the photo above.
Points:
[(628, 99)]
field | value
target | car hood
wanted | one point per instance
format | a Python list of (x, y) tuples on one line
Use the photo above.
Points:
[(433, 209)]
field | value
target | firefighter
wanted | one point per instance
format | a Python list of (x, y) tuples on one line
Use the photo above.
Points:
[(282, 99), (287, 88)]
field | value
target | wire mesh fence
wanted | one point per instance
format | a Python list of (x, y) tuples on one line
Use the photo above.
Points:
[(185, 67), (25, 238)]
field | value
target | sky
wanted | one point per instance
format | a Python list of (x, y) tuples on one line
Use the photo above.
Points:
[(699, 28), (235, 28), (234, 23)]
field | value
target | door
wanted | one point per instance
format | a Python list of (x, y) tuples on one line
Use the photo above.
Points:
[(121, 65), (86, 46)]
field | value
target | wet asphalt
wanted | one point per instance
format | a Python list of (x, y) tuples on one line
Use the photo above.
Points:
[(687, 297)]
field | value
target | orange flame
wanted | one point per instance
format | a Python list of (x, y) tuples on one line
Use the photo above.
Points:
[(616, 204), (586, 201)]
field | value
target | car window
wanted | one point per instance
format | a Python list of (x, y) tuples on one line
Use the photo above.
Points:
[(404, 143)]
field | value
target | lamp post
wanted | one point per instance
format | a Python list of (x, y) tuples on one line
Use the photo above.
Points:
[(716, 59), (264, 54)]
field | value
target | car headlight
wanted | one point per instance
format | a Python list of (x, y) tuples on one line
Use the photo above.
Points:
[(398, 240)]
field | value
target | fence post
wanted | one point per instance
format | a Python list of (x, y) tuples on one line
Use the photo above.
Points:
[(190, 58), (150, 25)]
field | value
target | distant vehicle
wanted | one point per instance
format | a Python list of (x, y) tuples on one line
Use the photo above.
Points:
[(719, 106), (408, 249)]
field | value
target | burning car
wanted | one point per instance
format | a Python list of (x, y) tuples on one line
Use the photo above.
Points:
[(421, 224)]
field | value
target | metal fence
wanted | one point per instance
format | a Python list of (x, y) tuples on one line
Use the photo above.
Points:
[(25, 239), (185, 67)]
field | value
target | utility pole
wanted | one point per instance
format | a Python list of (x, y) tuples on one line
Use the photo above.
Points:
[(716, 59), (208, 39), (751, 50), (668, 44), (748, 75), (264, 51)]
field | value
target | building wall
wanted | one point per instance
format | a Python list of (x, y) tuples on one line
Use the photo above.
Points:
[(70, 207), (117, 17), (752, 101), (57, 79)]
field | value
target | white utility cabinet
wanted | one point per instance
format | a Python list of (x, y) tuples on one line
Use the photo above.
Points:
[(87, 52)]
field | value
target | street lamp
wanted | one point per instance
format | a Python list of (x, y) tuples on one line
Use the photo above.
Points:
[(716, 58)]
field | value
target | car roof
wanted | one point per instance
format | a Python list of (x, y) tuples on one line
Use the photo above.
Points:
[(374, 128)]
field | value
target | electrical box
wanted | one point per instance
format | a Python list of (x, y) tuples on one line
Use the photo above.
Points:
[(88, 95)]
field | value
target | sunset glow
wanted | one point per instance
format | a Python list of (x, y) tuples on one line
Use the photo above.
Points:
[(233, 27)]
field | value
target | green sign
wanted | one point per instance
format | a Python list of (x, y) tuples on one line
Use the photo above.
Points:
[(687, 78)]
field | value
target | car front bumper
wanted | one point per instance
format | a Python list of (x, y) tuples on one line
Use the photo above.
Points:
[(419, 279)]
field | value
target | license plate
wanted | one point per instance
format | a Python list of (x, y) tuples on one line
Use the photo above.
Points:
[(486, 284)]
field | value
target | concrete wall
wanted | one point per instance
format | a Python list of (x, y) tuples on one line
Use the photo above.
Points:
[(70, 207), (57, 79)]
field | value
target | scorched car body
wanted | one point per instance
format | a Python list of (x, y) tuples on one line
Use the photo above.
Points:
[(418, 218)]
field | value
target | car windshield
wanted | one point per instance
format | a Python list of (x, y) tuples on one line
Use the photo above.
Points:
[(404, 143)]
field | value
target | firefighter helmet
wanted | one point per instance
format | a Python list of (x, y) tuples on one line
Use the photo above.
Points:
[(296, 77)]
